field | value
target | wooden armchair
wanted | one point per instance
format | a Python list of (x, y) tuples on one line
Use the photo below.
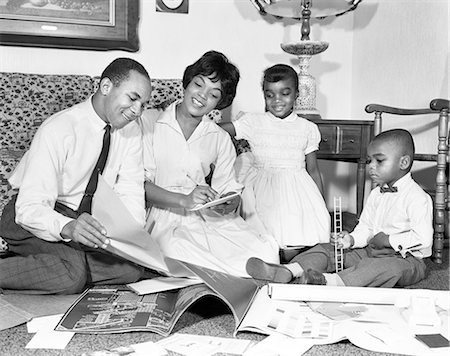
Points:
[(441, 210)]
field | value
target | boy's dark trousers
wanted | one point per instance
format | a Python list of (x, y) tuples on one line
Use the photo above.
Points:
[(360, 270), (41, 267)]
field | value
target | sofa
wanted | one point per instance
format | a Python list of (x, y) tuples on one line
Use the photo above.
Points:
[(26, 100)]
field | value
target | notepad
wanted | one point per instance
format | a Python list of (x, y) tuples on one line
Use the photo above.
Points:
[(215, 202)]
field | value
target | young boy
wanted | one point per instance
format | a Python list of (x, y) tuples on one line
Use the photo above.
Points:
[(392, 237)]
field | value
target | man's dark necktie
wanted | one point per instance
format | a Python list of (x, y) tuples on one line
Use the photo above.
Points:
[(86, 202), (388, 189)]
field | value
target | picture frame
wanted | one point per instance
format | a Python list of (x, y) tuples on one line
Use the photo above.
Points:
[(89, 25)]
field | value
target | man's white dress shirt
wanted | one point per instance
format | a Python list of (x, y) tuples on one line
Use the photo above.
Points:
[(60, 161)]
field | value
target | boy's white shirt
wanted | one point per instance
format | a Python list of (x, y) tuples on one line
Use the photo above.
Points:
[(406, 216)]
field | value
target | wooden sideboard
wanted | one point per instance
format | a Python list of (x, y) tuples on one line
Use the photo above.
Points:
[(347, 141)]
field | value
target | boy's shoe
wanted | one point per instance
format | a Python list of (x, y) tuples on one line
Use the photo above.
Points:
[(271, 272), (311, 276)]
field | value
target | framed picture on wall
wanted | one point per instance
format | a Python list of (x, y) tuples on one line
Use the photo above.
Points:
[(74, 24)]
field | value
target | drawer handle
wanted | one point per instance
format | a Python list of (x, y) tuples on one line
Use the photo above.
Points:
[(352, 140), (338, 139), (325, 140)]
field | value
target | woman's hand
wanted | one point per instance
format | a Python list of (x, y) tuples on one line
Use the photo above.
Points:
[(201, 194), (229, 206)]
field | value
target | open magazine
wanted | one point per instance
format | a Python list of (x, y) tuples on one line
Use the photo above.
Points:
[(113, 309), (255, 311), (117, 309)]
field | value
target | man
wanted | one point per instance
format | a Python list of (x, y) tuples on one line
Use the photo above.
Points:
[(57, 245)]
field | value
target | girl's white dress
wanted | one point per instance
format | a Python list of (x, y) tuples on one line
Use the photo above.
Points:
[(222, 243), (280, 197)]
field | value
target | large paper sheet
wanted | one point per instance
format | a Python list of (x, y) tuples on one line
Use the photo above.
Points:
[(367, 295), (128, 239)]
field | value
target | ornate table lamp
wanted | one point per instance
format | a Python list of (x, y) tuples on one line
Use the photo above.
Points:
[(304, 10)]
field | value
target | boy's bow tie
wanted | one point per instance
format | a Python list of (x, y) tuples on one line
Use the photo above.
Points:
[(387, 189)]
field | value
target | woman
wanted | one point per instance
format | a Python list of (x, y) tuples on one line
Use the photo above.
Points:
[(180, 147)]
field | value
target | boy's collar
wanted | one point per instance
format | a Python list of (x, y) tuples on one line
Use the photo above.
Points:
[(397, 185)]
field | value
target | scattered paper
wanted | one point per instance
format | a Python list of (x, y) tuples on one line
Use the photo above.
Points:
[(43, 323), (11, 316), (46, 337), (141, 349), (160, 284), (200, 345), (338, 311), (280, 345), (17, 309), (50, 339)]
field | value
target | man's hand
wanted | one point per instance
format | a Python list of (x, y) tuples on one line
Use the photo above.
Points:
[(87, 231), (343, 240), (229, 206)]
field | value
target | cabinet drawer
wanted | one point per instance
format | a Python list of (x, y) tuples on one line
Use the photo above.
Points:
[(340, 139)]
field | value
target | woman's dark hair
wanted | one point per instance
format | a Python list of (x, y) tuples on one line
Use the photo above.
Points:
[(119, 70), (215, 66), (280, 72)]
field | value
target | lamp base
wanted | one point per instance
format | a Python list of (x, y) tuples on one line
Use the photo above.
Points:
[(305, 104)]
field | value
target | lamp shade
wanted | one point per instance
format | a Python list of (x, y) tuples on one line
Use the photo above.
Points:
[(293, 8)]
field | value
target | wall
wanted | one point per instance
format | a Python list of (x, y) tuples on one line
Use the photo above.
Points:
[(393, 52)]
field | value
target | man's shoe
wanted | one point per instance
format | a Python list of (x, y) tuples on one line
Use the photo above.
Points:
[(311, 276), (271, 272)]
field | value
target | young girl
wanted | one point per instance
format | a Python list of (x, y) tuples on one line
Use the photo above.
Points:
[(180, 145), (283, 187)]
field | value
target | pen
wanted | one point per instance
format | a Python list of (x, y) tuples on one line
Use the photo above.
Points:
[(193, 180), (197, 183)]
